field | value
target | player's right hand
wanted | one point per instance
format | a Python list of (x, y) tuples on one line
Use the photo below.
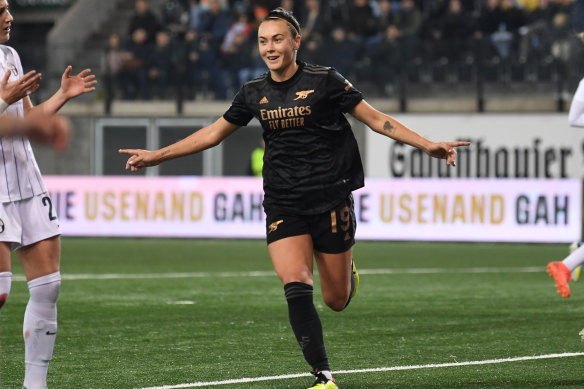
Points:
[(139, 159), (13, 91)]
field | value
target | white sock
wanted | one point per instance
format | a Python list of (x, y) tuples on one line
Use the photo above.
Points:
[(40, 329), (327, 374), (5, 282), (575, 259)]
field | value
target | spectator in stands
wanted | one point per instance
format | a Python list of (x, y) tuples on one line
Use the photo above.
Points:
[(362, 24), (507, 35), (386, 16), (213, 24), (339, 52), (144, 19), (135, 68), (175, 16), (408, 18), (502, 39), (562, 43), (408, 21), (242, 27), (534, 39), (161, 64), (210, 72), (388, 52), (488, 22), (454, 30), (112, 64), (235, 51), (189, 60), (195, 11), (256, 66), (513, 16), (314, 24)]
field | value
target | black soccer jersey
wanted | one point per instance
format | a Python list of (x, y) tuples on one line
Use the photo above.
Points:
[(311, 161)]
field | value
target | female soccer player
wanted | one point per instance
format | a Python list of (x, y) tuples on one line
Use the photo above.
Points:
[(28, 223), (311, 166), (563, 271)]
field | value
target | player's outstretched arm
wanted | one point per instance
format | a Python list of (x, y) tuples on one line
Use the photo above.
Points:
[(53, 130), (388, 126), (200, 140), (71, 87)]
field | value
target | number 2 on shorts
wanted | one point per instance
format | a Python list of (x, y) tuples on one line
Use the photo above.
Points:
[(47, 202)]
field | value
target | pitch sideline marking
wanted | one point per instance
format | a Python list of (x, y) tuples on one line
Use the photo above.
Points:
[(113, 276), (372, 370)]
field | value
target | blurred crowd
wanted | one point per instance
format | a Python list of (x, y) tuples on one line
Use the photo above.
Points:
[(208, 48)]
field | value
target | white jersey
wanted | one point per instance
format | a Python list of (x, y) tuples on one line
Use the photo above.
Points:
[(20, 177)]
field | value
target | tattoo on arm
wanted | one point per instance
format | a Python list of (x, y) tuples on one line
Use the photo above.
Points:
[(388, 128)]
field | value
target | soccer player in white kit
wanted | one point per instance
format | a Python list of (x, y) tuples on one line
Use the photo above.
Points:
[(28, 223), (562, 271)]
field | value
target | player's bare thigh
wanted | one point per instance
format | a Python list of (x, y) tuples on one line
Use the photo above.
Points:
[(5, 257), (292, 258), (335, 277), (40, 258)]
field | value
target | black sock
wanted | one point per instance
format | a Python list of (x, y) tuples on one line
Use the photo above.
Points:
[(306, 324)]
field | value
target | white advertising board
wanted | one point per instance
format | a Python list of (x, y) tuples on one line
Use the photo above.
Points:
[(386, 209), (502, 146)]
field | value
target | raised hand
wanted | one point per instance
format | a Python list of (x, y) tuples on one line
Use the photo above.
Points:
[(75, 85), (13, 91)]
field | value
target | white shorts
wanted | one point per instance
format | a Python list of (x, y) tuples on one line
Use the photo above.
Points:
[(28, 221)]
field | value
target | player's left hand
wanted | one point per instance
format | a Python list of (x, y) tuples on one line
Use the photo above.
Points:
[(75, 85), (445, 150)]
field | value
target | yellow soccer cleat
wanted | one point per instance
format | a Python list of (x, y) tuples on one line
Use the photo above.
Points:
[(354, 282), (322, 382), (356, 277), (576, 273)]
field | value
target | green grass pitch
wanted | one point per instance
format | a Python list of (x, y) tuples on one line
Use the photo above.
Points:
[(143, 313)]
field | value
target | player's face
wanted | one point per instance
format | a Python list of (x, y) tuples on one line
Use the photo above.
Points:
[(5, 21), (277, 48)]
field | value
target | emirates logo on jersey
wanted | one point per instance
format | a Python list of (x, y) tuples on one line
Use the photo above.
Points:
[(284, 117)]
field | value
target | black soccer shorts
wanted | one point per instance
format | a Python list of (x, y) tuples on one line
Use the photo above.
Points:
[(332, 232)]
